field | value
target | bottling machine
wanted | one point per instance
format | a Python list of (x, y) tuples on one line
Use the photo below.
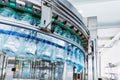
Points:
[(42, 40)]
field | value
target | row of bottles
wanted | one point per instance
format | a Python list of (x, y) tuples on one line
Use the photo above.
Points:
[(43, 48), (13, 44), (26, 18), (66, 34), (74, 56)]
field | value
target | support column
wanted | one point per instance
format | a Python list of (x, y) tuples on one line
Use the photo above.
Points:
[(92, 24)]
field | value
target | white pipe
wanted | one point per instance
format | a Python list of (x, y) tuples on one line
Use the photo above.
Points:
[(111, 42)]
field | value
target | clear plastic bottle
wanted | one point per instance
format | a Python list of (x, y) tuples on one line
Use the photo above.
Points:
[(69, 54), (27, 19), (28, 45), (44, 50), (60, 55), (80, 66), (36, 21), (31, 46), (14, 43), (10, 46), (74, 38), (74, 55), (78, 55), (81, 58), (7, 13), (40, 44), (66, 34), (58, 29)]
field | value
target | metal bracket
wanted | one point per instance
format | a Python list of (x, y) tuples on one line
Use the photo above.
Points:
[(46, 18)]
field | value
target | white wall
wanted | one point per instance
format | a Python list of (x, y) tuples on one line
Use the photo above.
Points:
[(111, 55)]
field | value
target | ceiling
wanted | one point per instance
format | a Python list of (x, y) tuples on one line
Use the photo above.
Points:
[(108, 17)]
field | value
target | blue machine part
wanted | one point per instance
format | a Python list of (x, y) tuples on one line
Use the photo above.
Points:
[(79, 68)]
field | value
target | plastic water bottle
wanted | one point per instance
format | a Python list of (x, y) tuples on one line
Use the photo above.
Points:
[(74, 55), (60, 55), (31, 47), (28, 46), (58, 29), (36, 21), (77, 56), (66, 34), (80, 65), (39, 45), (81, 58), (5, 13), (27, 19), (77, 62), (44, 50), (69, 54), (80, 42), (14, 43), (74, 38)]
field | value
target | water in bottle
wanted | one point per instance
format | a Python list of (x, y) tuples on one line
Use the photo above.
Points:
[(7, 13), (28, 46), (57, 29), (60, 55), (81, 58), (66, 34), (77, 56), (39, 45), (44, 50), (31, 46), (74, 38), (74, 55), (14, 43), (80, 66), (69, 54), (27, 19), (36, 21)]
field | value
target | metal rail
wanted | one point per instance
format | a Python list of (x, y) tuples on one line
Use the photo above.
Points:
[(70, 10), (66, 14)]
